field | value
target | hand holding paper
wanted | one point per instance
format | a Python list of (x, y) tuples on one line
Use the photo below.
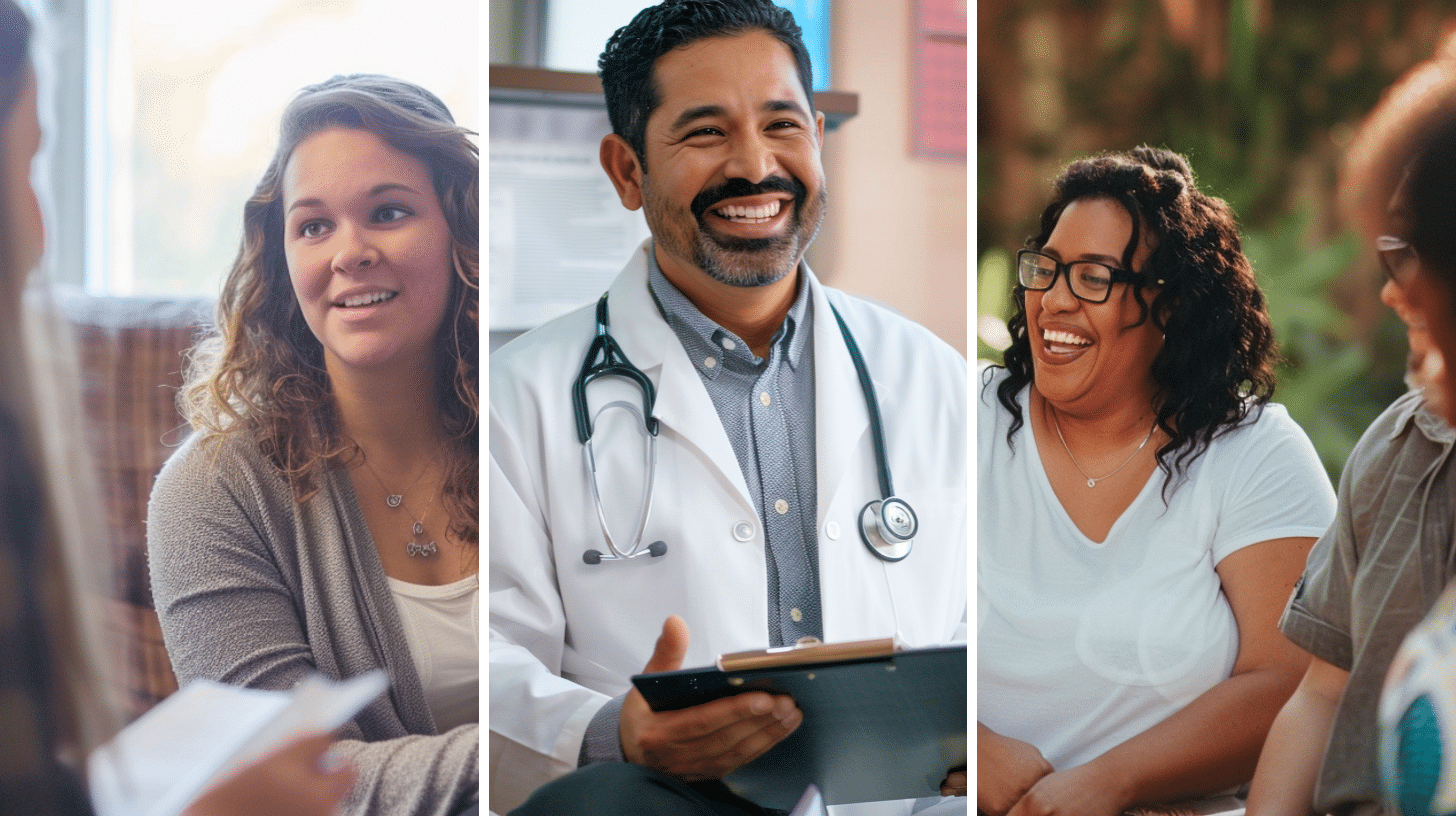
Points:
[(208, 732), (300, 779)]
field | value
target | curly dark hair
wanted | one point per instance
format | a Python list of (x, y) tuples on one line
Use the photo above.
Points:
[(262, 371), (626, 65), (1215, 366)]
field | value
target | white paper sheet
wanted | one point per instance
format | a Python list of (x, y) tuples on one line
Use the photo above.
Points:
[(161, 763)]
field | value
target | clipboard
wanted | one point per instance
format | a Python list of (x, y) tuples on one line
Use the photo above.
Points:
[(880, 722)]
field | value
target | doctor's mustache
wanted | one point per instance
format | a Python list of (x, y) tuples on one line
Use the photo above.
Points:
[(736, 187)]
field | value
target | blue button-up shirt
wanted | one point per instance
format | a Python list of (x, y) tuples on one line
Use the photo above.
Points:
[(766, 406)]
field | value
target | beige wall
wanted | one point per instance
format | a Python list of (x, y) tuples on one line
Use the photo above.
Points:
[(896, 226)]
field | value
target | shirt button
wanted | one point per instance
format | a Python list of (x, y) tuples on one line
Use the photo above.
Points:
[(709, 362), (729, 344), (765, 399), (796, 614), (832, 530), (743, 531), (781, 506)]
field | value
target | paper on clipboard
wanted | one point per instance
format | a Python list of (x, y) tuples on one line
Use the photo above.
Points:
[(887, 725), (161, 763)]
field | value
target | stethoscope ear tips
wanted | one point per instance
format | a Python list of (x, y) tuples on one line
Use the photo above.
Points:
[(655, 549)]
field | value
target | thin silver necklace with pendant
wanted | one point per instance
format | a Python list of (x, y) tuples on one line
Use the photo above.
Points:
[(1091, 482), (416, 546)]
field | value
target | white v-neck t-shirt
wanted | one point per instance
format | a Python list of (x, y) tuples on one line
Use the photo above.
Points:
[(1081, 645), (442, 627)]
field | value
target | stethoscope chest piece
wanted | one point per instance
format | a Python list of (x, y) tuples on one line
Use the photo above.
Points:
[(888, 528)]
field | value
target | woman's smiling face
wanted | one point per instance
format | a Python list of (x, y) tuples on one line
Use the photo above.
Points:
[(1087, 356), (368, 249)]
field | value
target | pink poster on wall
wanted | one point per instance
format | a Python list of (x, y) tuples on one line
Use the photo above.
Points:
[(939, 79)]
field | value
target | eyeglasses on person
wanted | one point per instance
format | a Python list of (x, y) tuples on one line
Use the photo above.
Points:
[(1090, 281), (1397, 258)]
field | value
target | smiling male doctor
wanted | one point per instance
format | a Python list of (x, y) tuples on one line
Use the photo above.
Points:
[(764, 456)]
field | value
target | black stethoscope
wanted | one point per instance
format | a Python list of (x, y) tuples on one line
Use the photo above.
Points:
[(887, 526)]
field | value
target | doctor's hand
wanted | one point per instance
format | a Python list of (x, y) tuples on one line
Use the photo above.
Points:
[(705, 741), (1006, 769)]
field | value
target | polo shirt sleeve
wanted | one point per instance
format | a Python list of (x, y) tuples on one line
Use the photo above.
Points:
[(1318, 617)]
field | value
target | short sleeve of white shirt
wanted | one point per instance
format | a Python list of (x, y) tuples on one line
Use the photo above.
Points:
[(1083, 644)]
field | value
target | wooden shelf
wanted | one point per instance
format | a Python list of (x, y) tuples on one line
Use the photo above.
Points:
[(539, 86)]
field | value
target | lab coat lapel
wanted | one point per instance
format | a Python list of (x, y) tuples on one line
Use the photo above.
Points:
[(840, 416), (683, 404)]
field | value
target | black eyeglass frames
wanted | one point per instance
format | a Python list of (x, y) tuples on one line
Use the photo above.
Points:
[(1090, 281)]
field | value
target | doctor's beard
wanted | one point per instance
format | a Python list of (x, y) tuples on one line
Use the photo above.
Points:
[(727, 259)]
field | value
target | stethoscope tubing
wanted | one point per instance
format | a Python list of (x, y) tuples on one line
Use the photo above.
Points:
[(889, 541), (872, 404)]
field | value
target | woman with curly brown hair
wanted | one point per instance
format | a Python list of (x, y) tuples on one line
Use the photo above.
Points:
[(324, 514), (1144, 510)]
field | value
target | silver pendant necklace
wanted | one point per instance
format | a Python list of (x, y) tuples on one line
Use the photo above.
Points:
[(416, 546), (1091, 482)]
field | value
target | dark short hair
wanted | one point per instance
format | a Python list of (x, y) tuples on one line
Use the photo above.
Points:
[(626, 65), (1431, 200), (1216, 362)]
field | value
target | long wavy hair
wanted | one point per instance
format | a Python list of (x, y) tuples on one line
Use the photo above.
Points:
[(262, 370), (60, 691), (1216, 361)]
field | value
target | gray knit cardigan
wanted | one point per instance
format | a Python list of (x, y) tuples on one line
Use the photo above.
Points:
[(255, 590)]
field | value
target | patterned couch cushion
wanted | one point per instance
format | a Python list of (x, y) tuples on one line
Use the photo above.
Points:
[(131, 360)]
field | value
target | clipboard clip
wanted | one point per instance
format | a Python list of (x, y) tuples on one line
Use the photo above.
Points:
[(806, 652)]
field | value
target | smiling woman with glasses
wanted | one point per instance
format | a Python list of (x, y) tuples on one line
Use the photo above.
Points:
[(1144, 510)]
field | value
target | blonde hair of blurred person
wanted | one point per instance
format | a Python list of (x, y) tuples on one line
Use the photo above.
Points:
[(57, 698), (55, 703)]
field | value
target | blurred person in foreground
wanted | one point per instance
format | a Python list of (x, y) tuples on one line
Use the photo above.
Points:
[(53, 685), (1385, 560), (1144, 509)]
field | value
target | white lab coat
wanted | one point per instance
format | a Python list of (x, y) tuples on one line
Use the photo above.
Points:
[(565, 636)]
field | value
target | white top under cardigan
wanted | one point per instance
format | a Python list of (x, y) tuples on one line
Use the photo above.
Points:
[(254, 589), (1082, 644), (442, 626)]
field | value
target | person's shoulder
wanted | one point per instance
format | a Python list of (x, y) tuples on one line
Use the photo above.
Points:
[(1406, 435), (208, 462), (231, 448), (878, 317), (1261, 425), (881, 331), (554, 346), (1267, 434)]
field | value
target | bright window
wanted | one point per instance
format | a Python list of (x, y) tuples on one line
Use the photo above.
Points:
[(185, 102)]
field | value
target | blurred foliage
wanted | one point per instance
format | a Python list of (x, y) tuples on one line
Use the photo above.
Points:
[(1261, 96), (1323, 376), (993, 298)]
